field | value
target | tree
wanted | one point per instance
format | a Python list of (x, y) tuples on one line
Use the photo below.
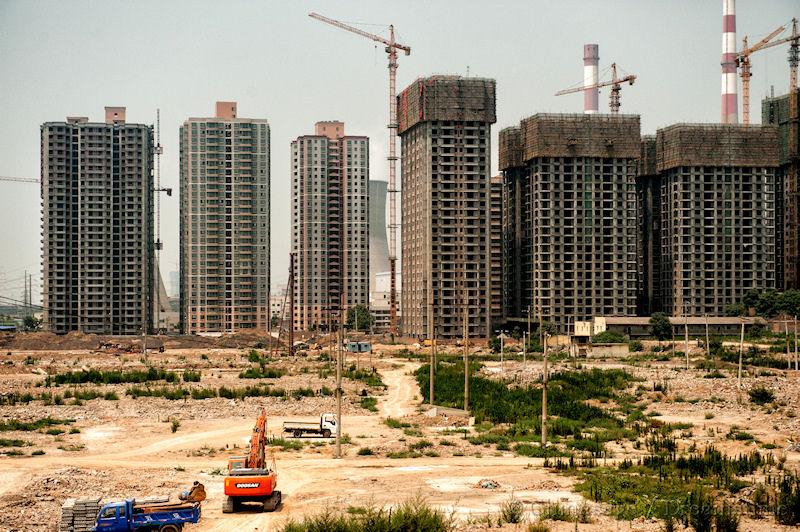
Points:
[(31, 323), (660, 326), (735, 310), (274, 320), (767, 303), (360, 318), (750, 299), (549, 328), (789, 303), (494, 344)]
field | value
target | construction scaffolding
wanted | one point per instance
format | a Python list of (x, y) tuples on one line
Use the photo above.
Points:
[(510, 147), (580, 135), (716, 145), (446, 98)]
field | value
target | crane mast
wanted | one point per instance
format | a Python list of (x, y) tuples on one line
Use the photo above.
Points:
[(391, 50)]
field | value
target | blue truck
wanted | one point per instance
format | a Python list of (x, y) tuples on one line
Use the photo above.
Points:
[(128, 516)]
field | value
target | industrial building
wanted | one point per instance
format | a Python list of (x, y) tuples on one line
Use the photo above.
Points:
[(97, 225), (330, 225), (717, 226), (570, 217), (444, 124), (782, 111), (224, 212)]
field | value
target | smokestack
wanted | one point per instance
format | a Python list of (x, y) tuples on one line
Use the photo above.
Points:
[(591, 58), (730, 106)]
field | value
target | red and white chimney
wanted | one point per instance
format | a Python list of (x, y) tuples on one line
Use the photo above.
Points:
[(591, 58), (730, 105)]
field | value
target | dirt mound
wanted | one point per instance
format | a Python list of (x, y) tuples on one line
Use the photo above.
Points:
[(36, 341)]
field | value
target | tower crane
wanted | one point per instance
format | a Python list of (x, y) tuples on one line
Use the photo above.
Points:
[(614, 82), (743, 62), (391, 49)]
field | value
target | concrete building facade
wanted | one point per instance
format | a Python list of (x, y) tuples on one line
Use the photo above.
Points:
[(444, 124), (97, 225), (570, 217), (717, 224), (225, 213), (648, 229), (330, 225), (782, 112), (496, 249)]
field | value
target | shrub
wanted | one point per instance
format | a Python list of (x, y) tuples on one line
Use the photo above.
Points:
[(512, 511), (635, 346), (364, 451), (726, 519), (608, 337), (28, 426), (369, 403), (5, 442), (191, 376), (413, 515), (37, 452), (420, 444), (701, 510), (538, 527), (175, 425), (112, 377), (555, 511), (761, 395), (396, 423), (262, 373)]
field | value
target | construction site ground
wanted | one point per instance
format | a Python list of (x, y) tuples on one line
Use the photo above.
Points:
[(126, 447)]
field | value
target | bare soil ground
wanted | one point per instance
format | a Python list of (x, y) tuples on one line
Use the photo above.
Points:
[(127, 448)]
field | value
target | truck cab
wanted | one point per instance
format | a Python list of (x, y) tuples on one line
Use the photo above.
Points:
[(327, 421), (113, 517)]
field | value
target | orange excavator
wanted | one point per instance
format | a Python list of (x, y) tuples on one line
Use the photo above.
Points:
[(249, 478)]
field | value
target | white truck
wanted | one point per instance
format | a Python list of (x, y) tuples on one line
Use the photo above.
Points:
[(324, 427)]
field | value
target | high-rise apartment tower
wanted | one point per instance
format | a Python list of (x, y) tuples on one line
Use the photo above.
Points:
[(330, 225), (225, 208), (444, 124), (97, 225), (717, 225), (570, 217)]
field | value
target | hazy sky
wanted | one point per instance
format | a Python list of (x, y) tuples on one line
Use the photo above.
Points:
[(60, 58)]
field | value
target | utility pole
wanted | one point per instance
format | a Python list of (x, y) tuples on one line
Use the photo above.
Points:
[(796, 361), (339, 387), (466, 361), (708, 345), (524, 350), (544, 393), (502, 347), (741, 350), (291, 305), (433, 363), (686, 337), (788, 351)]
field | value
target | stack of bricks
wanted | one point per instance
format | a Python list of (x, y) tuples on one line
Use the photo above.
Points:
[(79, 515)]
